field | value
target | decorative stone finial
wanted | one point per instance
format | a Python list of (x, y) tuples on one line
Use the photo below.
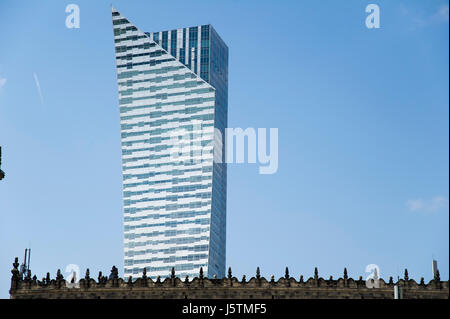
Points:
[(422, 281), (272, 278), (15, 270), (229, 273), (201, 273), (158, 279), (391, 280), (331, 278), (114, 273), (28, 277), (144, 273), (2, 173), (437, 277), (258, 273), (59, 276), (286, 273), (74, 278), (186, 279), (15, 274), (345, 274), (100, 277), (47, 279), (301, 279), (243, 279), (87, 276), (172, 273), (316, 273), (406, 275), (16, 263)]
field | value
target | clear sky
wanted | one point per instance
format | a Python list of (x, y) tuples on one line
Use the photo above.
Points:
[(363, 119)]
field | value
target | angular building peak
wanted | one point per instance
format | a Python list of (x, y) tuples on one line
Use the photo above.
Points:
[(174, 209)]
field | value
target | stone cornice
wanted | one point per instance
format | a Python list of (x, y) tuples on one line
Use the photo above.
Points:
[(229, 287)]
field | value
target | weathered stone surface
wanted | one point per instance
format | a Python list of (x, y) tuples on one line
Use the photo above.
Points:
[(201, 287)]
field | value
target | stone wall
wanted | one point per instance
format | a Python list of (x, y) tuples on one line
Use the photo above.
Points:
[(257, 287)]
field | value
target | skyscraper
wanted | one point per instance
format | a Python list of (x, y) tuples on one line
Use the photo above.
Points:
[(173, 99)]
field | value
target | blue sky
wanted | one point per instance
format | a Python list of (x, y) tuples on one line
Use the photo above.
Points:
[(363, 119)]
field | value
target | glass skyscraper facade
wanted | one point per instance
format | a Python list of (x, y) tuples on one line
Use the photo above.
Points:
[(173, 91)]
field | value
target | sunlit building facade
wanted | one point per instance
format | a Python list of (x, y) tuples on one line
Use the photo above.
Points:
[(173, 97)]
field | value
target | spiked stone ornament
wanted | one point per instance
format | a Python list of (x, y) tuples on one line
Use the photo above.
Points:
[(2, 173), (114, 287)]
